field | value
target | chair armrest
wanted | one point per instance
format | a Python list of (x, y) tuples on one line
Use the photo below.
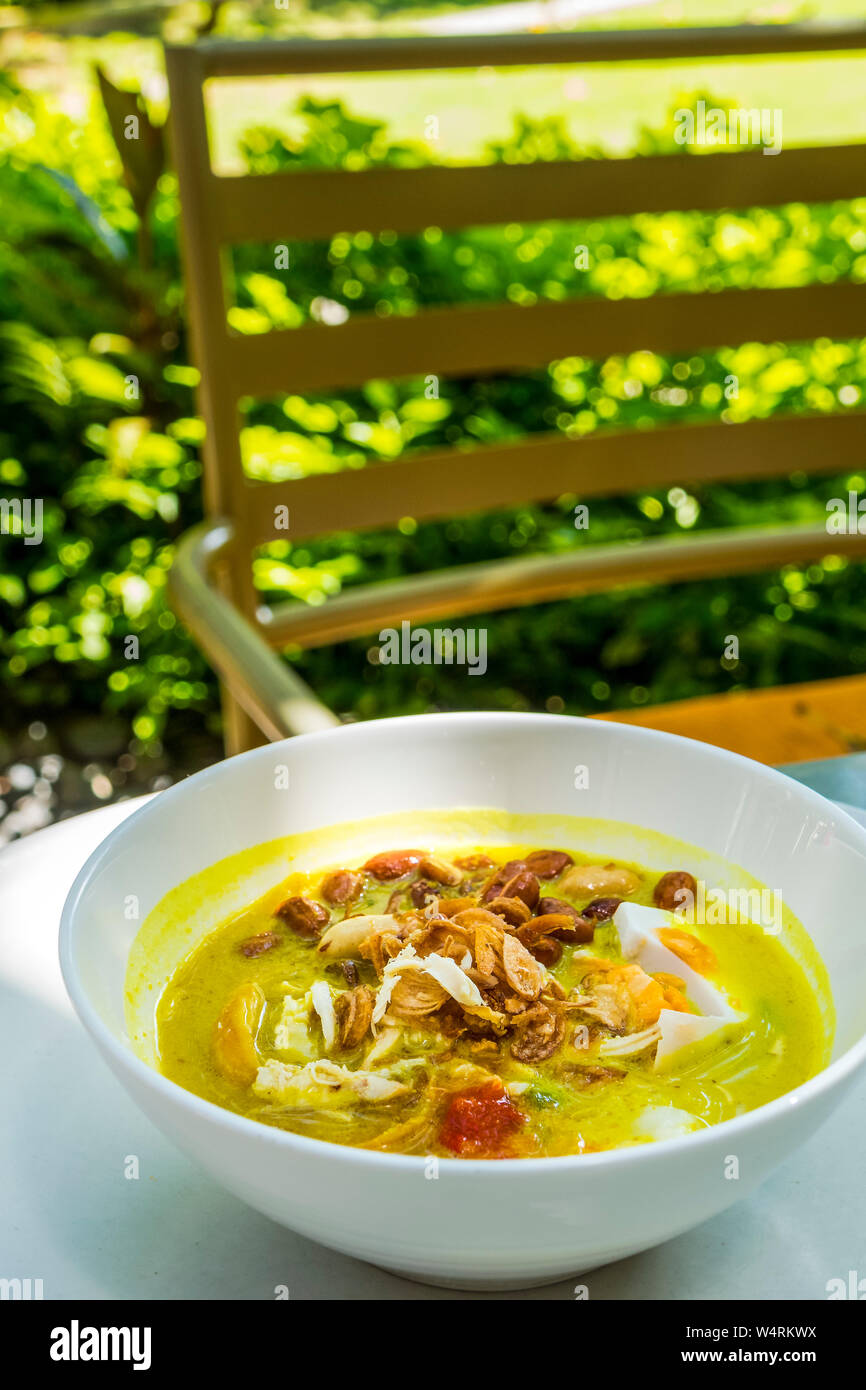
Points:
[(272, 694)]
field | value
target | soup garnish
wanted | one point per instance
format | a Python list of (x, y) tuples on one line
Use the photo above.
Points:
[(487, 1003)]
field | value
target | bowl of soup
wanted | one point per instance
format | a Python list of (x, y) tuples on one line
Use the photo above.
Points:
[(485, 999)]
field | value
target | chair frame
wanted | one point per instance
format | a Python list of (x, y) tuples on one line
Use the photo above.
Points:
[(212, 577)]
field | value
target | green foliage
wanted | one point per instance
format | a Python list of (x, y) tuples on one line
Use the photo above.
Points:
[(326, 136), (97, 417)]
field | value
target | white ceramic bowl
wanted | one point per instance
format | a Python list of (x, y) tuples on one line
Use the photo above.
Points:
[(488, 1224)]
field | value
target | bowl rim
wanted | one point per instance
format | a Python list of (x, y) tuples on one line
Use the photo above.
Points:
[(121, 1056)]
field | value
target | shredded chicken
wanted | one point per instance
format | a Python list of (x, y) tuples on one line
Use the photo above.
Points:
[(633, 1044), (384, 1045), (407, 995), (303, 1086), (322, 1002)]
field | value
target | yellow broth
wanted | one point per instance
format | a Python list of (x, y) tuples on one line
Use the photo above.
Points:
[(576, 1101)]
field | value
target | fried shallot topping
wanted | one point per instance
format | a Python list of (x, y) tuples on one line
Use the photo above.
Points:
[(469, 973), (622, 997), (354, 1010), (541, 1031), (466, 949)]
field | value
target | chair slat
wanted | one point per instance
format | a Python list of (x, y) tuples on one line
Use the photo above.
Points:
[(441, 482), (786, 724), (312, 205), (488, 338), (494, 584), (221, 58)]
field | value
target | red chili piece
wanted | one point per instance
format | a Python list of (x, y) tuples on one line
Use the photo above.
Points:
[(479, 1121)]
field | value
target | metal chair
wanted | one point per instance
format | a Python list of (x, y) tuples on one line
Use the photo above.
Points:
[(212, 578)]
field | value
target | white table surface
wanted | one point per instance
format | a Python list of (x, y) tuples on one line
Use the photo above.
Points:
[(68, 1215)]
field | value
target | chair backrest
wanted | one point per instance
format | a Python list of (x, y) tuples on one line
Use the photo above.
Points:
[(463, 340)]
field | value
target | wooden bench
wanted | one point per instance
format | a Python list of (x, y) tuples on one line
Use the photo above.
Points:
[(212, 577)]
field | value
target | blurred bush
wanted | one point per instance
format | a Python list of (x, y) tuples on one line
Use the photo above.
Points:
[(98, 418)]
